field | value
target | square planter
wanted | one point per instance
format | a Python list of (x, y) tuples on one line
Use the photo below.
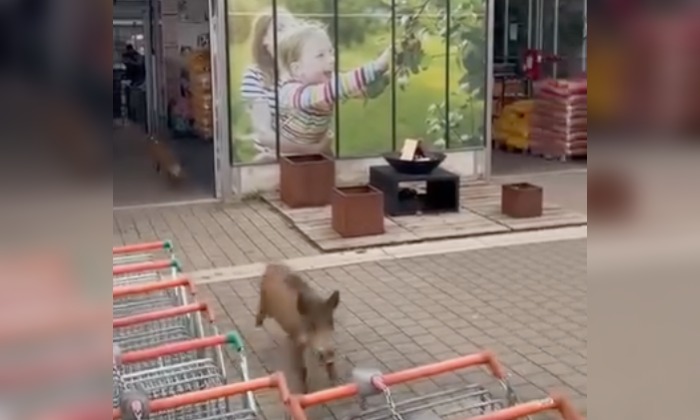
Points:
[(357, 211), (306, 180), (521, 200)]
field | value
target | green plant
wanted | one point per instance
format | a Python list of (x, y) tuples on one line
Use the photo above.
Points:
[(355, 21), (461, 26)]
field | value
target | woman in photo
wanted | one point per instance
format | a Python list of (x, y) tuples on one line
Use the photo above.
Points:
[(258, 88)]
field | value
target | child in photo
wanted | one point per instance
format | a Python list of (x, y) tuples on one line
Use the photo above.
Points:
[(258, 84), (310, 88)]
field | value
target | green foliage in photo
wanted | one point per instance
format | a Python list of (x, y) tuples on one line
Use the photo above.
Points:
[(427, 77)]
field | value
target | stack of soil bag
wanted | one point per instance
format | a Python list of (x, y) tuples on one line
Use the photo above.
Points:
[(560, 119), (201, 98)]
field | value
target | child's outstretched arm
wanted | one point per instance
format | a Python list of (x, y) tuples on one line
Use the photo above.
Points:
[(350, 84)]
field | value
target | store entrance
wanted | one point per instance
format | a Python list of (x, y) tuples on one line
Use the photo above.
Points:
[(163, 130), (555, 32)]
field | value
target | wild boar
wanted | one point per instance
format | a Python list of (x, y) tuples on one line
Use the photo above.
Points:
[(305, 316)]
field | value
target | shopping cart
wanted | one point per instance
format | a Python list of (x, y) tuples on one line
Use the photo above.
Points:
[(171, 325), (148, 297), (145, 272), (209, 404), (141, 252), (463, 402), (177, 368)]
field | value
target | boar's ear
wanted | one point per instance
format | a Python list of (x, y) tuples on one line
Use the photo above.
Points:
[(334, 300), (302, 307)]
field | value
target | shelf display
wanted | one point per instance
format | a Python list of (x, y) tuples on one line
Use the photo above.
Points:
[(201, 98)]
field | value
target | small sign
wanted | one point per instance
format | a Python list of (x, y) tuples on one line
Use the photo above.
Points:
[(410, 148)]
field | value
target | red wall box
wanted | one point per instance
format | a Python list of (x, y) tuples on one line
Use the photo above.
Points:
[(306, 180), (357, 211), (521, 200)]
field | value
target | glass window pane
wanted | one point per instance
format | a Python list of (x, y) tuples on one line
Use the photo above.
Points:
[(467, 74), (571, 37), (251, 81), (421, 76), (365, 117)]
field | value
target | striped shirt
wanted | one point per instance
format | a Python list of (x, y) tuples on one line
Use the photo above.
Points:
[(253, 88), (307, 111)]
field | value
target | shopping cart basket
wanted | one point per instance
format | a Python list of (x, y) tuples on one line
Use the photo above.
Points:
[(141, 252), (176, 368), (144, 272), (455, 403), (171, 325), (148, 297), (209, 404)]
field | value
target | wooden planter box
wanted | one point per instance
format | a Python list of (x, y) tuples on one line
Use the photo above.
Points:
[(521, 200), (306, 180), (357, 211)]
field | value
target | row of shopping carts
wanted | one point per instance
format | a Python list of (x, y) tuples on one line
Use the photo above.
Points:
[(165, 342), (169, 362)]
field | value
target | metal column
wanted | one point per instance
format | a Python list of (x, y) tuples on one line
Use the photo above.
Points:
[(220, 98), (529, 23), (555, 47), (584, 52), (506, 30), (488, 112), (151, 79)]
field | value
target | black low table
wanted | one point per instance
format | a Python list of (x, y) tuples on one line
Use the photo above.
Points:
[(441, 195)]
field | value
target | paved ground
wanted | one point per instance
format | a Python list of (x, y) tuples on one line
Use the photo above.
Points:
[(527, 303), (212, 235)]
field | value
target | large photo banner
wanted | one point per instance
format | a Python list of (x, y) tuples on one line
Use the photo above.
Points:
[(354, 79)]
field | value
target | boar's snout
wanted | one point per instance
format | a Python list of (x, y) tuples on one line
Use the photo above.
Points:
[(326, 357)]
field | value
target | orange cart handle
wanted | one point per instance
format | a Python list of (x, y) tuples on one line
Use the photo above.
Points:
[(408, 375), (156, 286), (135, 268), (558, 402), (132, 320), (276, 380), (151, 353), (142, 247)]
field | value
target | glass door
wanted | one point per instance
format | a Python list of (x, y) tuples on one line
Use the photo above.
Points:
[(545, 30), (219, 71), (136, 96), (571, 44)]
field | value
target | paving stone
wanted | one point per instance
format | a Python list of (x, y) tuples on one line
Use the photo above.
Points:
[(519, 301), (212, 235)]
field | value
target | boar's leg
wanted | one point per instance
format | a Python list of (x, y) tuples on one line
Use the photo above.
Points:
[(262, 312), (300, 364), (332, 372)]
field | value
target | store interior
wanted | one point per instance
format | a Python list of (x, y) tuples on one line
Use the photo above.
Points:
[(162, 121), (536, 41)]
